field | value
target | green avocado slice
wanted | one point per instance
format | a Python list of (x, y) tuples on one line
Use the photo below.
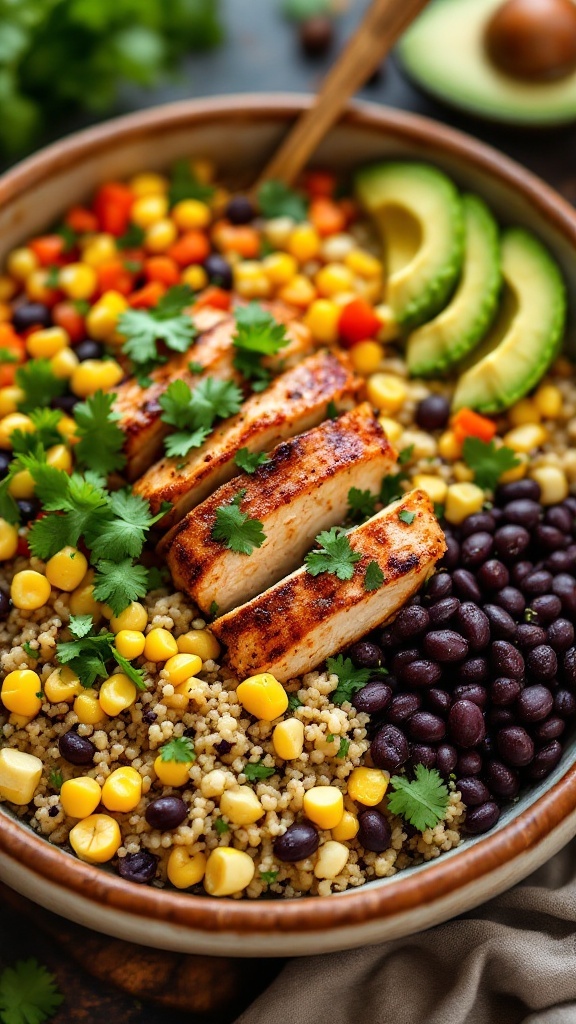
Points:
[(443, 51), (527, 333), (458, 328), (419, 214)]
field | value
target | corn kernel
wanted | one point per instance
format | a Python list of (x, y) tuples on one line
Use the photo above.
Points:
[(335, 248), (160, 645), (263, 696), (14, 421), (386, 392), (288, 739), (366, 357), (20, 774), (87, 708), (185, 869), (332, 859), (8, 289), (78, 281), (66, 569), (82, 601), (37, 287), (241, 805), (347, 828), (134, 616), (30, 590), (462, 473), (191, 689), (391, 428), (228, 871), (10, 398), (298, 292), (64, 363), (21, 263), (334, 278), (96, 838), (18, 721), (303, 243), (389, 328), (99, 249), (102, 319), (552, 482), (130, 643), (191, 213), (22, 485), (517, 472), (324, 805), (181, 667), (95, 375), (524, 411), (434, 487), (20, 691), (526, 438), (80, 797), (363, 263), (463, 500), (8, 540), (195, 277), (122, 790), (280, 268), (46, 343), (59, 457), (148, 184), (250, 281), (62, 685), (117, 693), (201, 642), (449, 447), (322, 319), (160, 236), (172, 773), (368, 785), (548, 401), (149, 209), (277, 231)]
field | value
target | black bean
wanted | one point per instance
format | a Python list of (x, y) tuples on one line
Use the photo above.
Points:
[(5, 460), (502, 625), (426, 727), (545, 760), (499, 717), (88, 349), (438, 587), (569, 666), (560, 635), (445, 645), (432, 413), (518, 489), (471, 691), (443, 611), (472, 791), (519, 571), (403, 658), (66, 403), (138, 867), (504, 691), (523, 512), (223, 747), (387, 638), (219, 271), (493, 575), (451, 556), (502, 780), (528, 635), (476, 549), (564, 703), (366, 655), (478, 522), (570, 504), (474, 625), (402, 706), (511, 600), (421, 673), (374, 832), (469, 763), (149, 716), (240, 210), (465, 585), (411, 621), (421, 753), (29, 509), (564, 586), (299, 841), (487, 747), (31, 314), (373, 697), (506, 660), (534, 704), (482, 819), (515, 745), (446, 758), (550, 729), (5, 605), (474, 670), (466, 723), (559, 517), (549, 538), (438, 700), (546, 607), (511, 541), (76, 749), (562, 561), (166, 812), (389, 748), (542, 662), (537, 582)]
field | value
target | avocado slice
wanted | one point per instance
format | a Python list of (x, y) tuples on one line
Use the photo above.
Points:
[(443, 51), (527, 333), (419, 214), (458, 328)]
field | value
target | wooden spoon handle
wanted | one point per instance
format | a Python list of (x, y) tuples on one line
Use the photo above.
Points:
[(379, 29)]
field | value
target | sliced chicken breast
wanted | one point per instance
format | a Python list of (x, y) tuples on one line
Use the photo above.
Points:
[(294, 626), (302, 490), (296, 401)]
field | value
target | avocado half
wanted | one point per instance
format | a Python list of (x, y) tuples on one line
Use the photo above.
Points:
[(444, 52)]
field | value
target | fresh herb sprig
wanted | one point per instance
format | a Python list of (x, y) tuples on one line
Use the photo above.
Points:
[(39, 383), (89, 653), (167, 322), (350, 678), (334, 554), (256, 770), (236, 529), (101, 439), (487, 461), (249, 461), (422, 801), (275, 199), (193, 411), (28, 993), (180, 750), (257, 335)]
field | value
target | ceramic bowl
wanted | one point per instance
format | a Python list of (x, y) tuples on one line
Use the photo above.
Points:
[(239, 133)]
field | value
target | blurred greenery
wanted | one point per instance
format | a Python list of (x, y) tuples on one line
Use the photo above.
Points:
[(61, 56)]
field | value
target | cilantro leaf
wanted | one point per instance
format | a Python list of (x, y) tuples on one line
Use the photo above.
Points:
[(86, 655), (344, 747), (28, 993), (39, 384), (423, 802), (275, 199), (135, 675), (30, 651), (181, 750), (119, 583), (488, 462), (80, 625), (256, 770), (193, 412), (101, 439), (178, 445), (56, 780), (361, 505), (235, 528), (258, 335), (132, 238), (126, 533), (185, 185), (391, 489), (221, 826), (294, 701), (405, 455), (374, 577), (249, 461), (350, 679), (334, 554), (332, 410), (52, 276), (269, 876), (406, 517), (167, 322), (173, 302), (84, 509), (46, 432)]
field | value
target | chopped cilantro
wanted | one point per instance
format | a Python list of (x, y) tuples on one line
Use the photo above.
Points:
[(136, 675), (235, 528), (350, 679), (221, 826), (344, 747), (181, 750), (56, 779), (294, 701), (6, 356), (28, 993), (374, 577), (125, 533), (249, 461), (270, 876), (423, 802), (52, 276), (330, 737), (185, 185), (405, 455), (30, 651), (256, 770), (361, 505), (333, 554), (88, 653), (119, 583), (258, 335), (488, 462), (195, 367), (68, 235), (391, 489), (39, 384), (101, 439), (214, 609), (132, 238), (193, 412), (275, 199), (406, 517), (439, 509), (45, 432), (332, 410), (167, 322)]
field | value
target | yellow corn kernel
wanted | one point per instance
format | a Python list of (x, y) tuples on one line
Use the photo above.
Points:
[(180, 667), (263, 696), (280, 268), (20, 691), (88, 709), (122, 790), (117, 693), (67, 428), (102, 319), (195, 277), (277, 231), (149, 209), (386, 392), (21, 263), (203, 169), (130, 643), (22, 485), (30, 590), (8, 540), (524, 411), (63, 364), (185, 869), (553, 484), (303, 243), (10, 398), (18, 721), (96, 838), (78, 280), (462, 500), (62, 685), (160, 645), (37, 287), (526, 438), (228, 871), (462, 473), (347, 827), (368, 785), (148, 184), (241, 805), (449, 447), (190, 689), (288, 739), (191, 213), (14, 421), (517, 472), (172, 773), (95, 375), (322, 319), (334, 278), (160, 236), (59, 457), (80, 797), (134, 616), (20, 774), (548, 401), (66, 569), (363, 263), (298, 292), (201, 642), (366, 357), (331, 860), (46, 343), (8, 288), (324, 805), (391, 428), (434, 486), (82, 601), (99, 249), (250, 281)]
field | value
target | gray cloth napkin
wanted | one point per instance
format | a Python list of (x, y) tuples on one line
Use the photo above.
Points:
[(511, 960)]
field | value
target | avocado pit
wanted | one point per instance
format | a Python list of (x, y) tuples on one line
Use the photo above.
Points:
[(533, 39)]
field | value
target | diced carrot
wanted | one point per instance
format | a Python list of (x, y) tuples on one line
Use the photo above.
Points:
[(240, 238), (81, 220), (467, 423), (326, 216), (192, 247), (358, 321), (319, 183), (163, 269), (113, 277), (112, 207), (213, 296), (66, 315), (48, 249), (148, 296), (11, 346)]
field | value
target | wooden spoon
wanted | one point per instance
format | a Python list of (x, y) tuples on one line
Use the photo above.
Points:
[(382, 24)]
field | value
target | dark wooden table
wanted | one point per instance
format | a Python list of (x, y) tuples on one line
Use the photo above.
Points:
[(104, 979)]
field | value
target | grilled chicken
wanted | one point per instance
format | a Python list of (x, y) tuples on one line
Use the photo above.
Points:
[(296, 401), (213, 349), (294, 626), (302, 489)]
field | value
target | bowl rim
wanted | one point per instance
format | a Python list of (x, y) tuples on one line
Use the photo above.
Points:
[(367, 903)]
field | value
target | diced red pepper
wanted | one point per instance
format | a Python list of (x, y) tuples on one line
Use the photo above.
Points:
[(148, 296), (81, 220), (112, 207), (213, 296), (114, 276), (66, 315), (358, 322), (11, 345), (48, 250), (467, 423)]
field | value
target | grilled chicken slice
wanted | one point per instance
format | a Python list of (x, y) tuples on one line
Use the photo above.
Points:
[(294, 626), (296, 401), (213, 349), (302, 489)]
